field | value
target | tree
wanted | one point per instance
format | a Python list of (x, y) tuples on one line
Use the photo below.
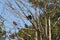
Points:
[(42, 25), (2, 32)]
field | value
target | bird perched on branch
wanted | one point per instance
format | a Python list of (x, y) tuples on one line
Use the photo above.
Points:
[(29, 17), (26, 26), (14, 23)]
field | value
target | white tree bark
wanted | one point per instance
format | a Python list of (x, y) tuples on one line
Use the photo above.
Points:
[(46, 26), (36, 35), (49, 28)]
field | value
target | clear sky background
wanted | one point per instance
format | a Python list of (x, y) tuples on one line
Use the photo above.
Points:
[(10, 16)]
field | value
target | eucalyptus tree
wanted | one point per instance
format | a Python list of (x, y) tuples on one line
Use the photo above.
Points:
[(42, 25), (50, 8)]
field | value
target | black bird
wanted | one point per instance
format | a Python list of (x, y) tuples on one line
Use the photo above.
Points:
[(29, 17), (26, 26), (14, 23)]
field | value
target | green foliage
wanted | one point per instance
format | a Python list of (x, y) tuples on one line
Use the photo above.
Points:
[(0, 33), (55, 29), (28, 31)]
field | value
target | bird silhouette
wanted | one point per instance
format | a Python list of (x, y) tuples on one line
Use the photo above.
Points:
[(26, 26), (29, 17), (14, 23)]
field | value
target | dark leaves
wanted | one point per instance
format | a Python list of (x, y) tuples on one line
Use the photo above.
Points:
[(0, 31), (12, 36), (4, 32)]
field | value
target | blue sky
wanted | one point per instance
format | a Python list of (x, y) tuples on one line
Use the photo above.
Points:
[(9, 16), (12, 16)]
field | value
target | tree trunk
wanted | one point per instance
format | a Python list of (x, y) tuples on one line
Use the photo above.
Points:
[(46, 26), (38, 36), (49, 28)]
